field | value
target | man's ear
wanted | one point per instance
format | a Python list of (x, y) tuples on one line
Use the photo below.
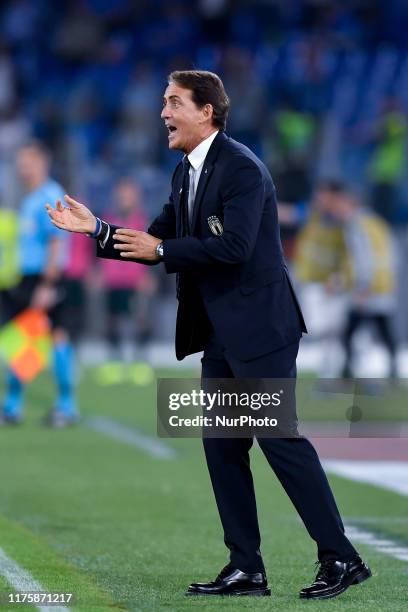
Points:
[(208, 111)]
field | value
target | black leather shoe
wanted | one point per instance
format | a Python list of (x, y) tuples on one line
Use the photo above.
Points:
[(334, 577), (232, 581)]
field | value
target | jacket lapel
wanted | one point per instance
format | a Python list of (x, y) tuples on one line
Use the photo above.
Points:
[(177, 191), (205, 175), (202, 183)]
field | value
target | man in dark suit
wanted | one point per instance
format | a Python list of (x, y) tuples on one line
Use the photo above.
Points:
[(219, 233)]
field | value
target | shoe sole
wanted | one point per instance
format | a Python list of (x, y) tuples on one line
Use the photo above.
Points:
[(357, 579), (254, 593)]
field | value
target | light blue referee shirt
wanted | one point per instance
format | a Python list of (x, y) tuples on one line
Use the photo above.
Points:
[(36, 230)]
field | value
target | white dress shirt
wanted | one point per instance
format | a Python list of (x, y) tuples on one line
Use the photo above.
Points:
[(196, 159)]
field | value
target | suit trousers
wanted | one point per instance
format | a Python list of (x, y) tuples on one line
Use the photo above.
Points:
[(294, 461)]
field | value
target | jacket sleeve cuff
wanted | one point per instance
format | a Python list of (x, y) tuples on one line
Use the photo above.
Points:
[(102, 243), (174, 253)]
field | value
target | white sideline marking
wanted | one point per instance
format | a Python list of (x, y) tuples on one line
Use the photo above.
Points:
[(130, 435), (391, 475), (22, 581), (382, 545)]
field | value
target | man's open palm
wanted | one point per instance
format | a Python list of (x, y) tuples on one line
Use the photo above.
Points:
[(75, 217)]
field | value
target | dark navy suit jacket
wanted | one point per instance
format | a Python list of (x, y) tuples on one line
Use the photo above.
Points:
[(238, 279)]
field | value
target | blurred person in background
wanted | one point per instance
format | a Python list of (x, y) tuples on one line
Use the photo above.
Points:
[(319, 253), (348, 250), (128, 289), (9, 258), (42, 254), (78, 275), (370, 260), (320, 248)]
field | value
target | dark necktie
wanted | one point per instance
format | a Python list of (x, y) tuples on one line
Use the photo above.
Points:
[(185, 224)]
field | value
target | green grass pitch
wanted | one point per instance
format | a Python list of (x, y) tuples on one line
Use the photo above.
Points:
[(87, 514)]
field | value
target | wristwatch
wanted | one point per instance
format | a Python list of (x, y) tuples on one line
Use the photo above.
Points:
[(160, 250)]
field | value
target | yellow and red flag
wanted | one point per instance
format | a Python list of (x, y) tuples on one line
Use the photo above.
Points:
[(25, 343)]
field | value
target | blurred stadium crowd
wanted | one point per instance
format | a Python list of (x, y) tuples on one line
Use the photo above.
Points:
[(318, 88)]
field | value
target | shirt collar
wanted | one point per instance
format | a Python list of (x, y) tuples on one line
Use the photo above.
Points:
[(198, 155)]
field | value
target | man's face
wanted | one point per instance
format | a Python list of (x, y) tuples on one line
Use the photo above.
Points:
[(346, 207), (325, 200), (127, 196), (32, 166), (337, 207), (186, 123)]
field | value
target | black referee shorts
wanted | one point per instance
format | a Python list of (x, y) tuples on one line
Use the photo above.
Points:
[(18, 298)]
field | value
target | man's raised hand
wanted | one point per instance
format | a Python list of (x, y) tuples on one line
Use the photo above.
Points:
[(74, 217)]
